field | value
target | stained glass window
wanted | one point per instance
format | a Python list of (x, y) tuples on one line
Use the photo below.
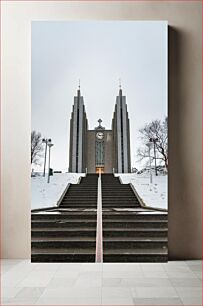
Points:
[(99, 153)]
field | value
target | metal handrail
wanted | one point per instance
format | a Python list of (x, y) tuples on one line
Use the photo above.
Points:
[(99, 235)]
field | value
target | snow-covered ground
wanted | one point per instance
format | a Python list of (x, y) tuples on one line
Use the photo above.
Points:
[(153, 195), (47, 195)]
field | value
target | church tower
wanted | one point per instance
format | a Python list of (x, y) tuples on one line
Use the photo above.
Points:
[(78, 135), (121, 135), (99, 149)]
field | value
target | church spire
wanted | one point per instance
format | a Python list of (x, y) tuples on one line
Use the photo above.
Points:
[(78, 87), (120, 88)]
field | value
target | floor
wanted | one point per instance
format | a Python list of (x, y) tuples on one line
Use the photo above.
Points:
[(173, 283)]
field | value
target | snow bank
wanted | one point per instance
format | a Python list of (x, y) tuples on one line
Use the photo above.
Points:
[(153, 195), (46, 195)]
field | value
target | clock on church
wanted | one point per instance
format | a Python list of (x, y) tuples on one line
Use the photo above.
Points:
[(100, 135)]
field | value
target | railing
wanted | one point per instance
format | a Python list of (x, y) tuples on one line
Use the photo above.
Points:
[(99, 235)]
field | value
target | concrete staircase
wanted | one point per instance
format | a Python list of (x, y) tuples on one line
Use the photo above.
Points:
[(68, 233), (130, 233)]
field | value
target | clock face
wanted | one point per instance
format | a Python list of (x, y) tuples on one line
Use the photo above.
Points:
[(100, 135)]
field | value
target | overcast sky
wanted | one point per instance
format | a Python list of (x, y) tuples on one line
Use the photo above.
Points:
[(98, 53)]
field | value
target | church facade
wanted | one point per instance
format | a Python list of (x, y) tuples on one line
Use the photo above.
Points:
[(99, 150)]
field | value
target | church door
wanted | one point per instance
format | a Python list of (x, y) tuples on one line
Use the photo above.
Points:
[(99, 169)]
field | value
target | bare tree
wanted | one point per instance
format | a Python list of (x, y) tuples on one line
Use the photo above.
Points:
[(158, 130), (36, 146)]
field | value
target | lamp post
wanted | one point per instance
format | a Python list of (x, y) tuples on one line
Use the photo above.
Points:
[(149, 145), (49, 145), (46, 141), (154, 140)]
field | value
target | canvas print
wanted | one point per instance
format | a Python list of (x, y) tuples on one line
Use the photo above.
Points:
[(99, 141)]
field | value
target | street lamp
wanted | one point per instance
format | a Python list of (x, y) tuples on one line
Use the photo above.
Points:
[(149, 145), (154, 140), (46, 141), (49, 145)]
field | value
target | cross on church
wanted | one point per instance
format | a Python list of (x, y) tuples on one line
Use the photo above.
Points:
[(119, 80), (100, 121)]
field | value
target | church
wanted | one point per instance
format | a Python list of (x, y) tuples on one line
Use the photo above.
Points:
[(99, 150)]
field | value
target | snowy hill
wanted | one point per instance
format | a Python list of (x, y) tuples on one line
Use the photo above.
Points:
[(47, 195), (153, 195)]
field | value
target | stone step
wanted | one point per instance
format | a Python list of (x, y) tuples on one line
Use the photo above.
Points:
[(71, 215), (108, 243), (118, 191), (63, 232), (80, 194), (138, 232), (118, 199), (117, 185), (134, 243), (68, 218), (77, 193), (120, 205), (68, 243), (88, 182), (83, 187), (121, 210), (81, 199), (76, 205), (66, 239), (82, 207), (63, 255), (135, 224), (116, 188), (79, 202), (113, 195), (92, 215), (139, 255), (62, 224), (77, 210), (132, 216), (84, 203)]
